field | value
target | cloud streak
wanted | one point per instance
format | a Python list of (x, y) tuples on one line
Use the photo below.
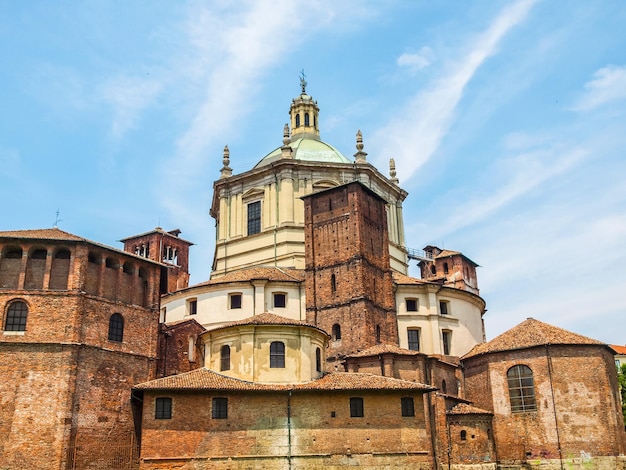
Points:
[(429, 114), (608, 85)]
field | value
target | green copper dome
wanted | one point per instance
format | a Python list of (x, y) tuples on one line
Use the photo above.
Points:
[(307, 149)]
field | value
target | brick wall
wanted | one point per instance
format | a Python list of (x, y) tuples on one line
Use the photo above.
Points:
[(578, 407), (262, 429)]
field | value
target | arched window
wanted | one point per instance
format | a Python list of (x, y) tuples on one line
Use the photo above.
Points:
[(39, 254), (336, 333), (306, 119), (225, 357), (318, 359), (433, 269), (464, 435), (17, 314), (116, 328), (277, 355), (297, 120), (521, 389)]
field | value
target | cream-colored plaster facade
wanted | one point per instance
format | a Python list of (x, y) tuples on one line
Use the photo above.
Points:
[(249, 352), (463, 320), (213, 302)]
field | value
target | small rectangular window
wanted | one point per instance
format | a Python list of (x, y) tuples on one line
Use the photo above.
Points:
[(356, 407), (280, 300), (235, 300), (163, 408), (220, 408), (411, 305), (414, 339), (193, 307), (443, 307), (446, 336), (408, 406), (254, 217)]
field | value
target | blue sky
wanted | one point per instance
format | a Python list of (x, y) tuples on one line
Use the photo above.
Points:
[(507, 122)]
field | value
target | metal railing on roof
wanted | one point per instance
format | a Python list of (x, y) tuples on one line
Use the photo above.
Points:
[(419, 255)]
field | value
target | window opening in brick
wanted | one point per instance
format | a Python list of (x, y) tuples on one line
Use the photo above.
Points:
[(446, 336), (333, 283), (433, 269), (13, 253), (127, 268), (110, 263), (408, 406), (39, 254), (336, 332), (445, 268), (521, 389), (356, 407), (116, 328), (378, 333), (280, 300), (411, 305), (220, 408), (444, 307), (93, 258), (318, 359), (464, 435), (17, 314), (414, 339), (444, 387), (235, 301), (163, 408), (277, 355), (62, 254), (225, 357), (254, 217)]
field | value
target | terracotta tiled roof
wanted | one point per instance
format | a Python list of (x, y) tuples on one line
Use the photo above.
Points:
[(205, 379), (169, 233), (403, 279), (43, 234), (267, 318), (55, 234), (172, 324), (530, 333), (465, 409), (384, 349), (618, 349), (259, 272)]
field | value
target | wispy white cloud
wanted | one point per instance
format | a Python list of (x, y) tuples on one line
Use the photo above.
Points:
[(428, 115), (128, 96), (418, 60), (607, 85)]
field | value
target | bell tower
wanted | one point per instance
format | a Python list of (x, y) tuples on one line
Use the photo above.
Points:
[(349, 287)]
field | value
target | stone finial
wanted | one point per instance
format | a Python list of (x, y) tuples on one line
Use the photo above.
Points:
[(392, 171), (226, 169), (286, 150), (360, 155)]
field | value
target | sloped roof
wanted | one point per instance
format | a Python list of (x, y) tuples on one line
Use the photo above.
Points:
[(43, 234), (618, 349), (528, 334), (465, 409), (404, 279), (56, 234), (267, 318), (384, 349), (258, 272), (205, 379), (168, 233)]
